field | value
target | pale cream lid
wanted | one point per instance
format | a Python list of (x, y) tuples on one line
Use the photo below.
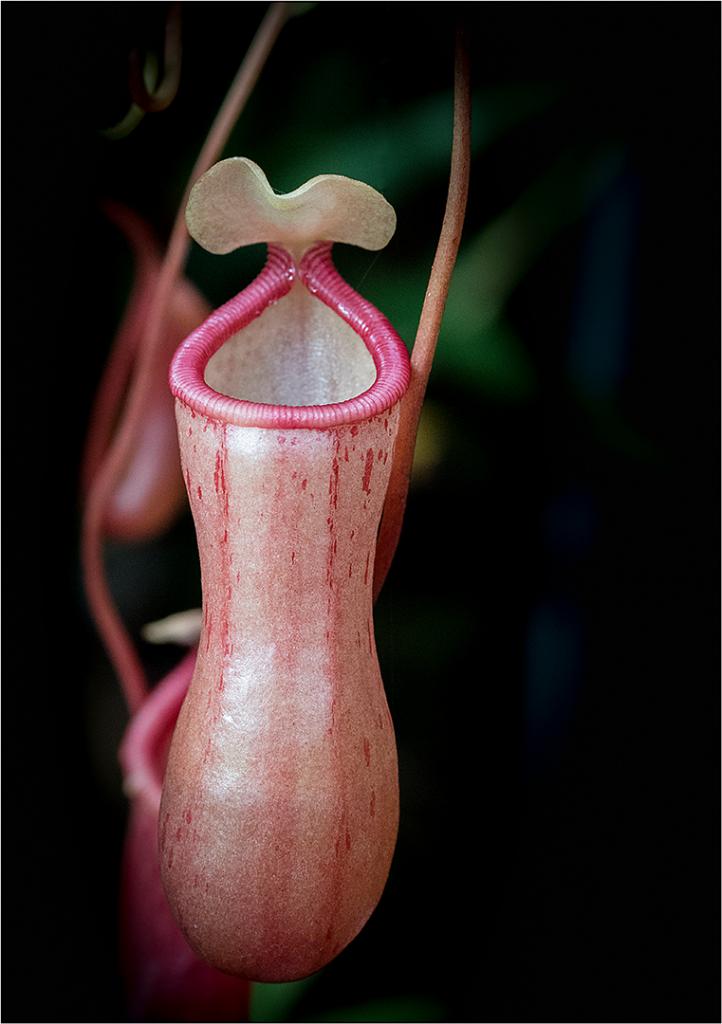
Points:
[(233, 205)]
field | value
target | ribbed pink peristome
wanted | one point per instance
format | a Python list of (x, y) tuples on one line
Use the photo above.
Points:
[(316, 270)]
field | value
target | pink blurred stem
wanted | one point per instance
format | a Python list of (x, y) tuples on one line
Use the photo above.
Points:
[(165, 979), (118, 644), (430, 322), (120, 363)]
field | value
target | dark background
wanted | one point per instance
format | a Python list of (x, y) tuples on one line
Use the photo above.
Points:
[(549, 634)]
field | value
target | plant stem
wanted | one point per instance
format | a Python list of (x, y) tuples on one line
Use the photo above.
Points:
[(430, 321), (114, 635)]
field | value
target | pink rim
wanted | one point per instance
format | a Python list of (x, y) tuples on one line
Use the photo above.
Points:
[(276, 279)]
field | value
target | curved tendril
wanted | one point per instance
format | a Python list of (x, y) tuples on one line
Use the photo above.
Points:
[(432, 312), (164, 94), (119, 646)]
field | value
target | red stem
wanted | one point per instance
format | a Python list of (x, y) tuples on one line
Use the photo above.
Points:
[(115, 637), (430, 322)]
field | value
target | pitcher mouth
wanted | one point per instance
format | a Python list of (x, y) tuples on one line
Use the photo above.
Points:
[(319, 276)]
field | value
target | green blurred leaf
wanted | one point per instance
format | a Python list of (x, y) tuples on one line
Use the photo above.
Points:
[(423, 637), (476, 342), (489, 358), (494, 262), (272, 1003), (614, 431), (298, 9), (403, 151)]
